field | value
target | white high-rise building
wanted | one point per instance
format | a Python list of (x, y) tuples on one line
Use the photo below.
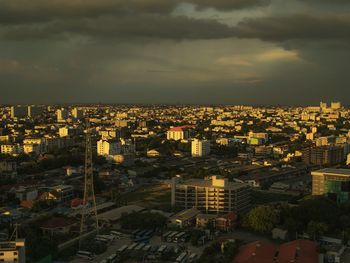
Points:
[(200, 148), (108, 147), (62, 115)]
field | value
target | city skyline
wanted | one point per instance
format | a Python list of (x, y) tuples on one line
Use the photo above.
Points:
[(256, 52)]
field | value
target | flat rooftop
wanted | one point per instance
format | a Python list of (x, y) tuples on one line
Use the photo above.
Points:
[(332, 171), (209, 183)]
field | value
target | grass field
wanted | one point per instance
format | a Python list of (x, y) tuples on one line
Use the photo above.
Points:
[(152, 197)]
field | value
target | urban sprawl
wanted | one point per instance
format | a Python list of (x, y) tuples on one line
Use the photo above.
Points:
[(171, 183)]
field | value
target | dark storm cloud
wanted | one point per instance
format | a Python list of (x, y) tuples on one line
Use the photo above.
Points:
[(229, 4), (24, 11), (275, 29), (293, 27), (144, 26), (330, 2)]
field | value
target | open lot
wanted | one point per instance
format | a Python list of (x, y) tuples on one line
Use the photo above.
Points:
[(151, 197)]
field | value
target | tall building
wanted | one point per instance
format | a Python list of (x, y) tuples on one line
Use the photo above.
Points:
[(323, 155), (178, 133), (34, 111), (19, 112), (108, 147), (334, 183), (200, 148), (214, 195), (62, 115), (13, 251), (323, 105), (77, 113)]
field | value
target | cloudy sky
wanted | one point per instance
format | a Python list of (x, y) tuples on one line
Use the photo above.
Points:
[(175, 51)]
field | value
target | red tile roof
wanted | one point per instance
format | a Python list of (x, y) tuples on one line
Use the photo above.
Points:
[(298, 251), (256, 252), (180, 128)]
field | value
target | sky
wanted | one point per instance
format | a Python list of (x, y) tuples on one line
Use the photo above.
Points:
[(280, 52)]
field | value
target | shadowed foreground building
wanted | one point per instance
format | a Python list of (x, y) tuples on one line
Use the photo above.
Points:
[(214, 195), (13, 251), (333, 183), (298, 251)]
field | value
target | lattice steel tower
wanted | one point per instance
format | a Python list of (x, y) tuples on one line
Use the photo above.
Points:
[(89, 193)]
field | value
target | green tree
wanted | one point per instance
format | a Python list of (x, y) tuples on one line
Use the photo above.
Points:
[(262, 219), (316, 229)]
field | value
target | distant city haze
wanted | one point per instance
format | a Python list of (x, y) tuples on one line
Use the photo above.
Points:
[(257, 52)]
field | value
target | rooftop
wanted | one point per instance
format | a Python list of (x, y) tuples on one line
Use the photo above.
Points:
[(214, 182), (332, 171)]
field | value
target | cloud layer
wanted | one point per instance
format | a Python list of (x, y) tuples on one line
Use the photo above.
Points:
[(185, 50)]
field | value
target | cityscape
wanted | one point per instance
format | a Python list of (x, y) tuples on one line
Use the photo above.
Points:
[(174, 131), (181, 183)]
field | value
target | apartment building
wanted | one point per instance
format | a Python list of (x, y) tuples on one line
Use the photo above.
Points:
[(213, 195), (178, 133), (200, 148), (334, 183), (324, 155)]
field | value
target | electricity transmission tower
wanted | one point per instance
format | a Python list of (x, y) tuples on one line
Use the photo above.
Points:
[(89, 194)]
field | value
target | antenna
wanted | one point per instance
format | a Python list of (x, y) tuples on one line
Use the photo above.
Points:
[(89, 193)]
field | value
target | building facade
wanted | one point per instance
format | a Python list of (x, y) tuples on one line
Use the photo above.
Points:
[(324, 155), (108, 147), (214, 195), (178, 133), (13, 251), (200, 148), (333, 183)]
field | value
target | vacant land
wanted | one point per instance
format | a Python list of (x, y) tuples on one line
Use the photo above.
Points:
[(151, 196)]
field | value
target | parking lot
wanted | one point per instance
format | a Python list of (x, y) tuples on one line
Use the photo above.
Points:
[(150, 249)]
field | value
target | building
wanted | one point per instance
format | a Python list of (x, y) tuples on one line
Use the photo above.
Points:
[(214, 195), (31, 149), (335, 105), (226, 222), (297, 251), (11, 149), (323, 155), (19, 112), (178, 133), (77, 113), (34, 111), (62, 115), (13, 251), (108, 147), (185, 218), (334, 183), (200, 148)]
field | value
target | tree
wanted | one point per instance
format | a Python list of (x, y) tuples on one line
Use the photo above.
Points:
[(262, 219), (316, 229)]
